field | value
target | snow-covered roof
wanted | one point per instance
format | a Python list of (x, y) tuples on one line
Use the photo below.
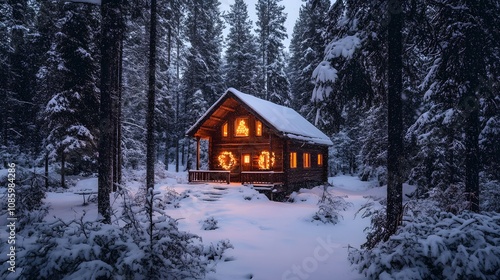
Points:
[(283, 119)]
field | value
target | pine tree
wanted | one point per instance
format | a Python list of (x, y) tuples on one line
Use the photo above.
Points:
[(170, 17), (241, 54), (462, 73), (198, 107), (204, 63), (306, 52), (271, 32), (70, 115), (134, 86), (4, 70), (18, 109)]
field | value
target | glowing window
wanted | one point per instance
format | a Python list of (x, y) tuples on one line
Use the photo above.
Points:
[(241, 126), (293, 160), (306, 160), (258, 128), (246, 159), (320, 160), (225, 130)]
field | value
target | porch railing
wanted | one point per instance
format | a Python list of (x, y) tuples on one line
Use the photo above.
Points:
[(218, 176), (262, 177)]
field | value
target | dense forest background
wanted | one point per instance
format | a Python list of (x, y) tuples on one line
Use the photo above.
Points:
[(334, 73)]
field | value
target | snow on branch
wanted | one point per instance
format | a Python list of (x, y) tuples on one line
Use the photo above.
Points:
[(324, 76), (343, 47)]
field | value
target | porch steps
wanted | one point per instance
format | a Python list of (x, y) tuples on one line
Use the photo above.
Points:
[(213, 195)]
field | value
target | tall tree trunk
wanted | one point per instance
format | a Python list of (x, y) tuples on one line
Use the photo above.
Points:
[(119, 156), (46, 170), (111, 29), (474, 63), (116, 116), (168, 140), (167, 148), (394, 120), (177, 153), (150, 125), (177, 95), (150, 117), (63, 171), (183, 153), (471, 159)]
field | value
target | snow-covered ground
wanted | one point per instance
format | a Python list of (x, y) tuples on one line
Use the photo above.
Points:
[(271, 240)]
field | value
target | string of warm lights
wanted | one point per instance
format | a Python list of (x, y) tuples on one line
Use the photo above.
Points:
[(266, 160), (242, 129), (226, 160)]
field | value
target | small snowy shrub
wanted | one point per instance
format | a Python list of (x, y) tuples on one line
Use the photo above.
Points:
[(132, 248), (329, 207), (490, 196), (171, 199), (251, 194), (29, 196), (210, 223), (168, 252), (377, 231), (160, 171), (439, 246), (453, 199), (216, 252), (75, 250)]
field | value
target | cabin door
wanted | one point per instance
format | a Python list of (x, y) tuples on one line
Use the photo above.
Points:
[(246, 162)]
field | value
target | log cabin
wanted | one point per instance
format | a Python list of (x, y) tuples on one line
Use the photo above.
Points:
[(254, 141)]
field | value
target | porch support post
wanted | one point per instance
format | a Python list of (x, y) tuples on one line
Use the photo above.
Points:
[(197, 153)]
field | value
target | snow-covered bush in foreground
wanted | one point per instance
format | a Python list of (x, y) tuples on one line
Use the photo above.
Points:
[(29, 195), (330, 206), (210, 223), (134, 248), (490, 193), (437, 246)]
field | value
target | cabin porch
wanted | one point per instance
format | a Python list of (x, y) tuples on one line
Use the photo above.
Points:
[(270, 178)]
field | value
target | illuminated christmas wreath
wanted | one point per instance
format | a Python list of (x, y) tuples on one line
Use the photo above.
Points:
[(266, 160), (226, 160)]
